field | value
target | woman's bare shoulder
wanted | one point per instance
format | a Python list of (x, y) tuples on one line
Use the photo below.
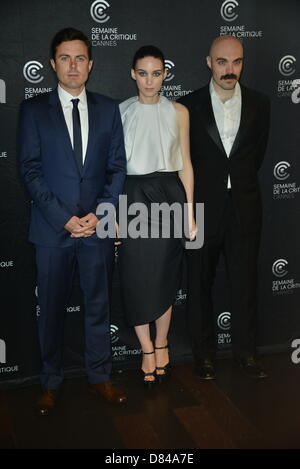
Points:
[(181, 110)]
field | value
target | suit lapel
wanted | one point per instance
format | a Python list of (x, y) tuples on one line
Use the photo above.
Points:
[(246, 113), (208, 118), (93, 126), (60, 126), (209, 121)]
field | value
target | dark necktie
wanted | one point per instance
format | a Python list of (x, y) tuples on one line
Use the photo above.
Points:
[(77, 139)]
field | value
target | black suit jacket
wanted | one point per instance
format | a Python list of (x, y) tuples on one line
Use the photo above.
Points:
[(212, 166)]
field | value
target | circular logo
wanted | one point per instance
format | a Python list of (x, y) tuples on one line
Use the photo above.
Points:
[(31, 71), (279, 268), (223, 321), (169, 66), (227, 10), (286, 65), (114, 334), (98, 12), (280, 170)]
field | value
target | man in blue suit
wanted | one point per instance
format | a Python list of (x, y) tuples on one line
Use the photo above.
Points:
[(72, 158)]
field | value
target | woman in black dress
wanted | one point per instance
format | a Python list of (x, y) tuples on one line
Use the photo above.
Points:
[(159, 170)]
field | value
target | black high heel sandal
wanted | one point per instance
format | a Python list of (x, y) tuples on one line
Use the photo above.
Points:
[(147, 382), (166, 368)]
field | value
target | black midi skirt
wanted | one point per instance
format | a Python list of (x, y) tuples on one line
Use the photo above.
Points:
[(150, 268)]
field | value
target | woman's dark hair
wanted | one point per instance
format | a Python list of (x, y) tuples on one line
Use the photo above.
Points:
[(148, 51), (69, 34)]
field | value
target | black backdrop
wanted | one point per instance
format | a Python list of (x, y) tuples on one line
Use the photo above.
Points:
[(270, 32)]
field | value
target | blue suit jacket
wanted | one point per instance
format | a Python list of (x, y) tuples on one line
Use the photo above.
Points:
[(58, 188)]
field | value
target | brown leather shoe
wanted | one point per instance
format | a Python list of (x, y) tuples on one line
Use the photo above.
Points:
[(109, 392), (46, 402)]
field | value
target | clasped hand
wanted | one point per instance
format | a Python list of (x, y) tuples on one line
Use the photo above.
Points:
[(82, 227)]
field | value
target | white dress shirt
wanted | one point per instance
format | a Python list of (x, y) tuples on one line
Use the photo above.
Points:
[(227, 116), (67, 107)]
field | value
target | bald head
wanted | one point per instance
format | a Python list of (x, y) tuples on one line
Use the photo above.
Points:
[(225, 61), (226, 41)]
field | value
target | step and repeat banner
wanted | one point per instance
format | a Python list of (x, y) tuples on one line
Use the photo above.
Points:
[(269, 30)]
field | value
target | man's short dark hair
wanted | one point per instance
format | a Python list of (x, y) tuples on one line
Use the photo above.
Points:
[(69, 34)]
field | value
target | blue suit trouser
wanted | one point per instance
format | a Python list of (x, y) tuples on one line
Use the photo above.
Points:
[(56, 269)]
